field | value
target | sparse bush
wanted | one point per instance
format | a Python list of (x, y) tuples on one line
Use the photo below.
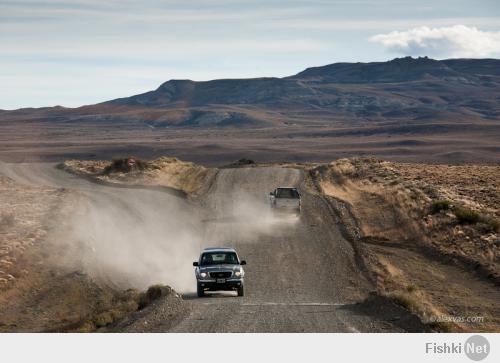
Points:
[(120, 305), (440, 205), (103, 319), (153, 293), (411, 288), (125, 165), (492, 225), (406, 301), (108, 310), (412, 304), (466, 216)]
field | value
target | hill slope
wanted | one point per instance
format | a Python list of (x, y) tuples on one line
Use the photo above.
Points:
[(404, 88), (452, 101)]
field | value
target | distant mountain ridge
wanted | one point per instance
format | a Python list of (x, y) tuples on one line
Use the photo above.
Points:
[(404, 89), (396, 70), (277, 90), (412, 109)]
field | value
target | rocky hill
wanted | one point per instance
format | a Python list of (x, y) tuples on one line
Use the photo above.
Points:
[(403, 88), (454, 102)]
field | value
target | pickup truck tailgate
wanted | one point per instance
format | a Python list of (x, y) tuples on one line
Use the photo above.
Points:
[(287, 203)]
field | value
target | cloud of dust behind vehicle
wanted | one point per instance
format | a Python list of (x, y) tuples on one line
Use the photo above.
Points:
[(131, 238), (136, 238), (245, 217)]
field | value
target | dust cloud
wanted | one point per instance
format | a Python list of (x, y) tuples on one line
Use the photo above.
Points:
[(245, 217), (132, 238), (136, 238)]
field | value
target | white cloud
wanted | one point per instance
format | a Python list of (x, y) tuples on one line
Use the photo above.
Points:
[(453, 41)]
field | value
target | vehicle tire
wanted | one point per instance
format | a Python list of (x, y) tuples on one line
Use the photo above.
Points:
[(241, 291), (200, 291)]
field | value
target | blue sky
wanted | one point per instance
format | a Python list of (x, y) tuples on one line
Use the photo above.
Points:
[(79, 52)]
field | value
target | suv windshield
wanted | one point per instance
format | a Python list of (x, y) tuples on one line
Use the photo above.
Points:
[(287, 193), (217, 258)]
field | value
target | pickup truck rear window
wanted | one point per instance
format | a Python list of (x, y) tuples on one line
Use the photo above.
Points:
[(287, 193)]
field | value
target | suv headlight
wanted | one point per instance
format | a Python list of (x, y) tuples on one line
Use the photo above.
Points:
[(203, 275), (237, 273)]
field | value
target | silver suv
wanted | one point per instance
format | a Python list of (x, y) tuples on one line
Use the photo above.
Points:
[(219, 268)]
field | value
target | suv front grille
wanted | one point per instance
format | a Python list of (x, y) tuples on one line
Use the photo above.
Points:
[(221, 274)]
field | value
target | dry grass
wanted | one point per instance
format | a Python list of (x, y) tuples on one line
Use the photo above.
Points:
[(451, 208), (38, 292), (23, 224), (412, 216), (115, 307)]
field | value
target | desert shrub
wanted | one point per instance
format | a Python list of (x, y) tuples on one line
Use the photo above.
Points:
[(122, 165), (108, 310), (492, 225), (411, 288), (112, 308), (466, 216), (103, 319), (413, 304), (440, 205), (408, 302), (153, 293)]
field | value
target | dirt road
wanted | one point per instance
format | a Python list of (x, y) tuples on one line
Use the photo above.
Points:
[(301, 274)]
